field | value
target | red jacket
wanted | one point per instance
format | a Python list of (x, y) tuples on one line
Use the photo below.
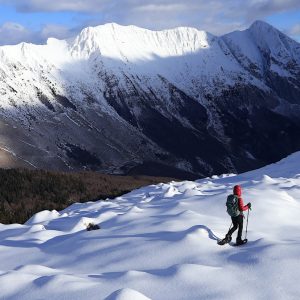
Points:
[(237, 190)]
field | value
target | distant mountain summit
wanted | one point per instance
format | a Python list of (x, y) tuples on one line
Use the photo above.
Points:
[(179, 102)]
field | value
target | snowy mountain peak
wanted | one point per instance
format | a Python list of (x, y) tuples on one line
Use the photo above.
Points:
[(134, 43), (117, 86), (262, 47), (279, 45), (258, 24), (265, 34)]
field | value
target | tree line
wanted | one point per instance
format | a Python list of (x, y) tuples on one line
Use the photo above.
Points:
[(25, 192)]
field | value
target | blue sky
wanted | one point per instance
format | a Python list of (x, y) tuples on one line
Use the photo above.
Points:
[(36, 20)]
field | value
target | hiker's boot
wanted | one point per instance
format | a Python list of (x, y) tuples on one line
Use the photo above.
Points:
[(240, 241)]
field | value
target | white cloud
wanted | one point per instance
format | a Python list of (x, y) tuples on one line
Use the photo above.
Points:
[(161, 8), (295, 30), (246, 9), (215, 16), (54, 30), (57, 5), (13, 33)]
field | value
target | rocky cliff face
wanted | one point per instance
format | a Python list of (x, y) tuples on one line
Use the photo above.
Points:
[(129, 100)]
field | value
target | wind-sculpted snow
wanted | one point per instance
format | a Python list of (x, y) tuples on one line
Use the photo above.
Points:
[(160, 242)]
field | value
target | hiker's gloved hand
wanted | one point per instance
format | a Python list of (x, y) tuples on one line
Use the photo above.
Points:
[(249, 205)]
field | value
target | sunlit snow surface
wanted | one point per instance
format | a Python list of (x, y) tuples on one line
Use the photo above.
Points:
[(160, 242)]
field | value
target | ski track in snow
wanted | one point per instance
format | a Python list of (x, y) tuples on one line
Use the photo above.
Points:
[(160, 242)]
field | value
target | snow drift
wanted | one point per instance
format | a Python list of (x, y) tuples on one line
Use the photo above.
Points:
[(160, 242)]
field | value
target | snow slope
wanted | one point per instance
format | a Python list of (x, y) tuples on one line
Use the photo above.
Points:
[(160, 242)]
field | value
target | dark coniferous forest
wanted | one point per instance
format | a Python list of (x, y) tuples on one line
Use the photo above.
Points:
[(25, 192)]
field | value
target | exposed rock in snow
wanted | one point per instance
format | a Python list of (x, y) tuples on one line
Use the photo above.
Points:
[(125, 99)]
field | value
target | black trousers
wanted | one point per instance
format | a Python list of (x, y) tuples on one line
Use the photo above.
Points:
[(237, 223)]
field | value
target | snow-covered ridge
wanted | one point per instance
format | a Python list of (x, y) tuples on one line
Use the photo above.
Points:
[(187, 57), (134, 43), (116, 41), (248, 46), (84, 91)]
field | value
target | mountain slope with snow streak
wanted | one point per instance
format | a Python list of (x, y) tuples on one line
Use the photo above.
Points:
[(160, 242), (119, 98)]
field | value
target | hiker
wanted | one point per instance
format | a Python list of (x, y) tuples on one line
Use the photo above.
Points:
[(235, 208)]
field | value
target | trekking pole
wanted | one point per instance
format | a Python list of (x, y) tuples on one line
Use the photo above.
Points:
[(247, 224)]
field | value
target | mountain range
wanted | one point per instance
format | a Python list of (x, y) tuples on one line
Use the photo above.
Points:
[(126, 100)]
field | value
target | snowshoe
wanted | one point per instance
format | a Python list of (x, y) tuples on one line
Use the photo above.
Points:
[(241, 242), (226, 240)]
